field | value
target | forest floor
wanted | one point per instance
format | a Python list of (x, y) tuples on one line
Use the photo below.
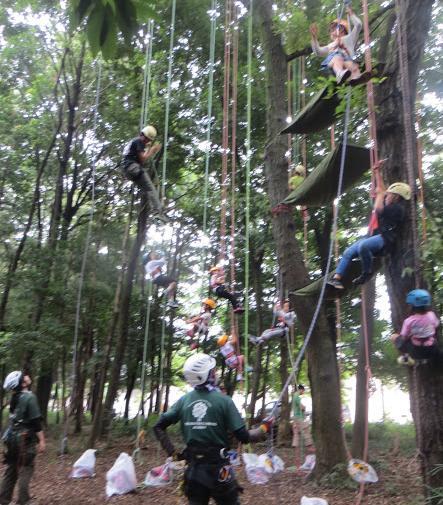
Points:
[(399, 482)]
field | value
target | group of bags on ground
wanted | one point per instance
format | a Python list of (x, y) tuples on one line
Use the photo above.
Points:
[(121, 477)]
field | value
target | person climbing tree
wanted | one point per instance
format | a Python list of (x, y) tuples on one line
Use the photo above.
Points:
[(417, 339), (388, 216), (207, 417), (301, 430), (200, 323), (21, 438), (340, 52), (217, 284), (232, 359), (135, 153), (296, 177), (285, 320), (154, 265)]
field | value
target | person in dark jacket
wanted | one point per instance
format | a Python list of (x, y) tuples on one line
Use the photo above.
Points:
[(23, 438), (207, 418), (387, 218)]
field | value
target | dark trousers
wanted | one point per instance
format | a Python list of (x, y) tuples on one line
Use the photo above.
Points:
[(202, 482), (222, 292), (134, 172), (16, 473)]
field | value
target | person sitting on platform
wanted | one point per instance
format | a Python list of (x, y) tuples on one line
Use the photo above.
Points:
[(417, 339), (135, 153), (340, 53), (232, 359), (217, 284), (153, 266), (200, 323), (296, 177), (388, 217), (285, 320)]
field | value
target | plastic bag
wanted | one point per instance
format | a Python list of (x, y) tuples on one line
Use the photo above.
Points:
[(271, 463), (121, 478), (84, 466), (255, 472), (160, 475), (312, 501), (309, 463), (361, 471), (234, 460)]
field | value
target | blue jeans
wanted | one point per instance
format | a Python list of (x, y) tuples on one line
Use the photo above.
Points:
[(366, 249)]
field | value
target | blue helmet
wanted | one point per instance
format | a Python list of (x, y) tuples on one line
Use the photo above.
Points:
[(419, 298)]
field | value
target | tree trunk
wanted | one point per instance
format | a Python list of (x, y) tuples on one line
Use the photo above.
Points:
[(321, 353), (361, 393), (426, 382)]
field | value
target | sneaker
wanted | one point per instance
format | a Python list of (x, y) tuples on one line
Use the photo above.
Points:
[(172, 304), (239, 310), (343, 76), (405, 359), (335, 283), (361, 279), (239, 377), (362, 79)]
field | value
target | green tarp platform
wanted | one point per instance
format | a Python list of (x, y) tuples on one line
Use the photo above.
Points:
[(320, 186), (318, 114), (331, 293)]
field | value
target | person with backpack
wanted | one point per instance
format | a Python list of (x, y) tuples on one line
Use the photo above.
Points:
[(207, 418), (136, 152), (417, 339), (23, 438)]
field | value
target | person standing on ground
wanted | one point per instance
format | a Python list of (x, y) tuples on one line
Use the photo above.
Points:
[(136, 152), (207, 417), (23, 438), (301, 430)]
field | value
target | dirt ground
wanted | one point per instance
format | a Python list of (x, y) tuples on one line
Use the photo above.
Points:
[(399, 482)]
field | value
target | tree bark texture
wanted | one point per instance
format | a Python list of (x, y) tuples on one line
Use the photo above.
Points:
[(323, 369)]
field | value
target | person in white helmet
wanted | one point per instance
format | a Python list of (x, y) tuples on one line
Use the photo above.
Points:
[(22, 439), (135, 153), (207, 417)]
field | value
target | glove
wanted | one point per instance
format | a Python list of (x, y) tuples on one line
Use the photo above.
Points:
[(267, 424)]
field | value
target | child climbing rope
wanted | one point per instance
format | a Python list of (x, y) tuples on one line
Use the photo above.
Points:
[(217, 284), (296, 177), (135, 153), (232, 359), (340, 52), (388, 217), (153, 266), (285, 320), (417, 339), (200, 323)]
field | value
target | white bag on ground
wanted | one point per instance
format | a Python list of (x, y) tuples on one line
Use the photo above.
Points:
[(160, 475), (309, 463), (361, 471), (313, 501), (272, 464), (84, 466), (255, 472), (121, 478)]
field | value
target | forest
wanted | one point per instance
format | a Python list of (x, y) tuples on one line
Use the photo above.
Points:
[(238, 101)]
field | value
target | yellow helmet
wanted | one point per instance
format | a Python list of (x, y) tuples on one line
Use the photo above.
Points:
[(210, 303), (339, 22), (400, 188), (213, 269), (149, 132), (222, 340), (300, 170)]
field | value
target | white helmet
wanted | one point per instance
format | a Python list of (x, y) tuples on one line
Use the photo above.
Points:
[(13, 380), (149, 132), (196, 368)]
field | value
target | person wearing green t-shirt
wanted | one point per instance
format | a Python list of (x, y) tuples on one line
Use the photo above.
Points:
[(300, 427), (22, 439), (207, 417)]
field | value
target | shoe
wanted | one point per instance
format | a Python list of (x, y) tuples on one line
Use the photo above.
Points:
[(239, 310), (405, 359), (190, 333), (361, 279), (335, 283), (194, 346), (253, 339), (362, 79), (239, 377), (172, 304), (343, 76)]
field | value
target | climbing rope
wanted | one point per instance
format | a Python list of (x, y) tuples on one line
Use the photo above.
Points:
[(302, 351), (84, 259), (248, 199), (168, 101), (144, 113)]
